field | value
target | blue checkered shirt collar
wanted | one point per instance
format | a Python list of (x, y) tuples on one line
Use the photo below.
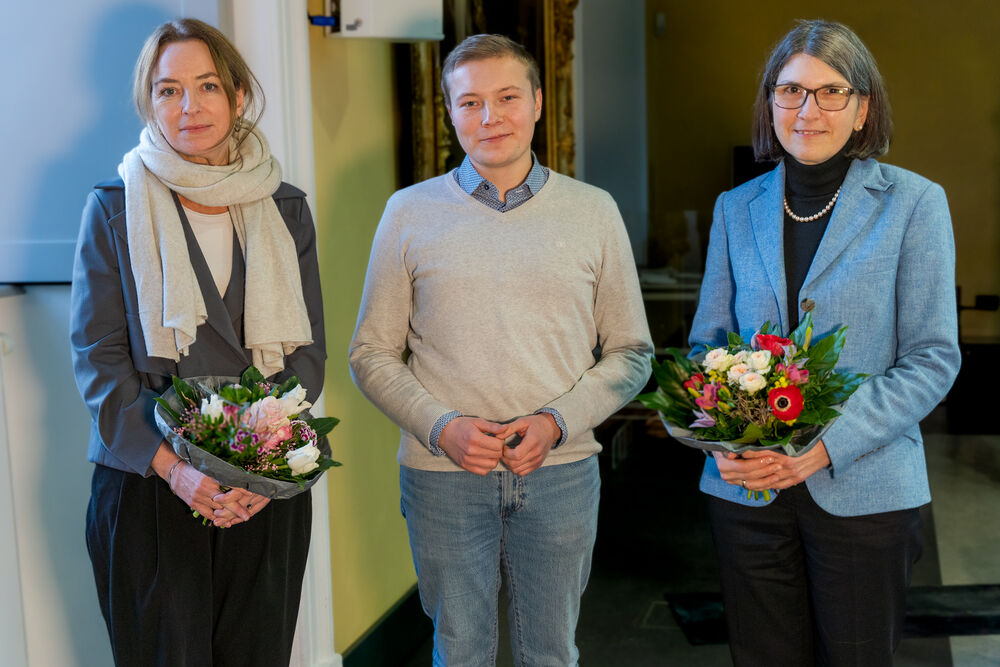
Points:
[(487, 193)]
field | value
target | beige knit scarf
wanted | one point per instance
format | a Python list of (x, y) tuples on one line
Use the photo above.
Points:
[(275, 320)]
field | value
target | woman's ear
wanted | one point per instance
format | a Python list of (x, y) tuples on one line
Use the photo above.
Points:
[(862, 115)]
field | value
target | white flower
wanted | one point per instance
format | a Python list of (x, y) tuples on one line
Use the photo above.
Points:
[(303, 459), (740, 357), (736, 371), (212, 407), (294, 401), (716, 360), (752, 382), (760, 360)]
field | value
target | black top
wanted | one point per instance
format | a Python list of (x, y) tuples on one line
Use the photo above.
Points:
[(808, 188)]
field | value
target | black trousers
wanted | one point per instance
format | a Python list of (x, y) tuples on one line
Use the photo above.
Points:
[(176, 593), (804, 587)]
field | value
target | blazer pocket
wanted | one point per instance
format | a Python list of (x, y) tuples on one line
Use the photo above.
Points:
[(870, 265)]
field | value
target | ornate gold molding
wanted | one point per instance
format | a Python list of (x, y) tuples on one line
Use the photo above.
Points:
[(431, 140), (558, 86)]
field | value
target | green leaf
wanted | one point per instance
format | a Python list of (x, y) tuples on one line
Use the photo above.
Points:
[(251, 377), (673, 411), (734, 339), (322, 425), (188, 395), (817, 415), (780, 441), (824, 353), (287, 386), (751, 434), (654, 400), (799, 335), (169, 410)]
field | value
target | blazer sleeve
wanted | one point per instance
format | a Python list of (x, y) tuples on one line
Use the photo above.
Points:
[(308, 362), (716, 313), (120, 405), (886, 406)]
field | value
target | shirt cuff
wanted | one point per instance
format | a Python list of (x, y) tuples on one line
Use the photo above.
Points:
[(443, 420), (560, 422)]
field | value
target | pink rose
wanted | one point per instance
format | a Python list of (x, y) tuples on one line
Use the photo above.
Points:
[(265, 415)]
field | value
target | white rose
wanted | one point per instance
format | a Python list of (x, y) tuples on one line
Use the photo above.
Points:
[(714, 359), (760, 360), (736, 372), (752, 382), (294, 401), (212, 407), (740, 357), (303, 459)]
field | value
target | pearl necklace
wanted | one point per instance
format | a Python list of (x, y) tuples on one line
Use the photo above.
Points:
[(810, 218)]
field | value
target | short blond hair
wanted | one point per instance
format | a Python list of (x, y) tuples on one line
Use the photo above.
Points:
[(484, 47)]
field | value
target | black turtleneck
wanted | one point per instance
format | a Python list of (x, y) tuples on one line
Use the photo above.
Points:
[(808, 188)]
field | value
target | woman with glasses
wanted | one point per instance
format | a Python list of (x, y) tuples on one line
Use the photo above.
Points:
[(817, 575)]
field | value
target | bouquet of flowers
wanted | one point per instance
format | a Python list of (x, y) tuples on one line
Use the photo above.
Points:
[(771, 393), (247, 432)]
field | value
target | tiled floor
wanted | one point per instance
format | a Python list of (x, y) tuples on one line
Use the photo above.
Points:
[(654, 540)]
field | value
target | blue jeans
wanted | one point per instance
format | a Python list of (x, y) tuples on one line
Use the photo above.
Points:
[(540, 528)]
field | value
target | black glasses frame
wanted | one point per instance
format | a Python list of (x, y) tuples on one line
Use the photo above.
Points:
[(812, 91)]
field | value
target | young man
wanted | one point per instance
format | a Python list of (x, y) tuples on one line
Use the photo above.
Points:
[(515, 292)]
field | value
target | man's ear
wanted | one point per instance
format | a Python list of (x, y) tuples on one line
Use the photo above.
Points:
[(538, 104)]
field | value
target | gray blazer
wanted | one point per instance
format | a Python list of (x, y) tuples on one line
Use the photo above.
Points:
[(885, 268), (113, 373)]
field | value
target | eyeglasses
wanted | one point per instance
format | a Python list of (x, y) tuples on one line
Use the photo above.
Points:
[(828, 98)]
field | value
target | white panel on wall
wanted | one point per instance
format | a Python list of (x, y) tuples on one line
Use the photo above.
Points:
[(68, 119)]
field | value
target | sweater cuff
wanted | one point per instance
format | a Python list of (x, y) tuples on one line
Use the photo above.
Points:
[(560, 422), (443, 420)]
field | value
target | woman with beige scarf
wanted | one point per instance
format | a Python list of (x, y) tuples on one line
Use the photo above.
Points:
[(197, 261)]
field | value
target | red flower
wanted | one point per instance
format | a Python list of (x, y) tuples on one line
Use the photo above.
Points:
[(695, 382), (773, 344), (785, 402)]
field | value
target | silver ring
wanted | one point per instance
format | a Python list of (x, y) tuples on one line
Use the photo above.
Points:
[(744, 483)]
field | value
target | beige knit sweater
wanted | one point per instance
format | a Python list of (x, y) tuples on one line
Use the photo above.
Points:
[(502, 313)]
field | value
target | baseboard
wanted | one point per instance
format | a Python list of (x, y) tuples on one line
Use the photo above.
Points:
[(394, 638)]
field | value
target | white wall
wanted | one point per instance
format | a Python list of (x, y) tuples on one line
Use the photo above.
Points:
[(46, 429)]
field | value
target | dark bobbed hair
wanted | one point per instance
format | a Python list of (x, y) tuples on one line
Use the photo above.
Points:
[(234, 73), (837, 46), (483, 47)]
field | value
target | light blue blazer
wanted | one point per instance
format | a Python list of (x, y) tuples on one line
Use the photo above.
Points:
[(885, 268)]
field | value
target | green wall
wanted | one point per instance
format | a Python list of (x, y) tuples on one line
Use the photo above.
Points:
[(355, 146)]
